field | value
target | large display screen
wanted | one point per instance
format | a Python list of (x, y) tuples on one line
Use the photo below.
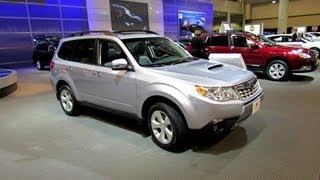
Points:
[(129, 15), (188, 19)]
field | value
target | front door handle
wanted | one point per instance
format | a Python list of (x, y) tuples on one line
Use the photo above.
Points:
[(97, 74), (69, 68)]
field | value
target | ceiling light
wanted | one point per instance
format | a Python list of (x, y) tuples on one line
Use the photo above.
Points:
[(273, 2)]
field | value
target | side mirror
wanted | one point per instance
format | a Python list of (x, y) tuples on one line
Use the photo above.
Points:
[(119, 64), (255, 46)]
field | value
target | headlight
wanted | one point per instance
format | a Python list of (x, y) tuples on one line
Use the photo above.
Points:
[(218, 93), (301, 54), (304, 55)]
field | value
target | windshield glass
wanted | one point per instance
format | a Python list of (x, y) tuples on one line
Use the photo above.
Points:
[(156, 51), (317, 34), (264, 40)]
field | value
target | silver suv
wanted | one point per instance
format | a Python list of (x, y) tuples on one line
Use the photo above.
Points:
[(152, 78)]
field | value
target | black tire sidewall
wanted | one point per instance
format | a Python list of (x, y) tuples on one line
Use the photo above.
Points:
[(287, 72), (74, 110), (179, 128)]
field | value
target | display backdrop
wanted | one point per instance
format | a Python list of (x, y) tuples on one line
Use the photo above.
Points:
[(127, 15), (21, 20), (188, 18)]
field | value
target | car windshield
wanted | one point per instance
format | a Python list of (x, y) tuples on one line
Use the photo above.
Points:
[(157, 51), (317, 34), (264, 40)]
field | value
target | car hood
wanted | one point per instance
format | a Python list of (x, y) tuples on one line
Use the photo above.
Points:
[(287, 48), (203, 72)]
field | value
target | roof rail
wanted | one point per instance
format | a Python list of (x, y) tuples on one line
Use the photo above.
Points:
[(89, 32), (134, 31)]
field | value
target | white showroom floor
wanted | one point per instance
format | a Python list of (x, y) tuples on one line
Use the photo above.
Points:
[(38, 141)]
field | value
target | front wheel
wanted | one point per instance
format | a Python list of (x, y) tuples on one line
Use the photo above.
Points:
[(277, 70), (317, 52), (166, 125)]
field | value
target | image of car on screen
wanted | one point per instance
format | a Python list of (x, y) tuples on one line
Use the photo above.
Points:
[(127, 18)]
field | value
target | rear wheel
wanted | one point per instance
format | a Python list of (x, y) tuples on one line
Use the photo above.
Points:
[(67, 100), (166, 125), (277, 70), (39, 65)]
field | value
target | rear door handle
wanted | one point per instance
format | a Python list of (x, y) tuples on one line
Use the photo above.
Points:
[(69, 68)]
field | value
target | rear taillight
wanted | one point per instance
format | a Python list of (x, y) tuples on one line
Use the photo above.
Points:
[(51, 65)]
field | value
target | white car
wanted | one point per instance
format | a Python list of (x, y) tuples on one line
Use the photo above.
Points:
[(286, 39), (312, 36)]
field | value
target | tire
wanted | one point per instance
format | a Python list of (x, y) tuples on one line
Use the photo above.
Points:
[(278, 70), (168, 134), (39, 65), (68, 102), (317, 50)]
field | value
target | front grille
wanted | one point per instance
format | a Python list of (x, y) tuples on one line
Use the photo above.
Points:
[(247, 89)]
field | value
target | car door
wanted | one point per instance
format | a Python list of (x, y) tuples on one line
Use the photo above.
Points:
[(244, 45), (217, 44), (114, 89), (79, 65)]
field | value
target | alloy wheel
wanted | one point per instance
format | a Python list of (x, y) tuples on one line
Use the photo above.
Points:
[(161, 127), (39, 65), (66, 100), (277, 71)]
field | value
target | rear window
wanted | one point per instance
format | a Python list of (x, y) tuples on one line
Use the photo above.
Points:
[(219, 41), (66, 50)]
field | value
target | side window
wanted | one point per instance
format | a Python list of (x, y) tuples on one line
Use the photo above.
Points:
[(66, 50), (240, 41), (219, 41), (109, 51), (276, 39), (84, 51)]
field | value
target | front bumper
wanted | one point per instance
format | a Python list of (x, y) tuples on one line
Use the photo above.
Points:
[(229, 113), (307, 68)]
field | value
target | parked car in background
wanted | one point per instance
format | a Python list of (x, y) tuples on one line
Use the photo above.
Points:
[(150, 77), (43, 53), (261, 54), (312, 36), (286, 39), (43, 38)]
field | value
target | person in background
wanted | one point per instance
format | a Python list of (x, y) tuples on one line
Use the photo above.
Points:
[(294, 34), (197, 44)]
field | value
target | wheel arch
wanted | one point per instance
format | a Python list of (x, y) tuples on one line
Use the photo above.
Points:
[(60, 83), (157, 99), (280, 58)]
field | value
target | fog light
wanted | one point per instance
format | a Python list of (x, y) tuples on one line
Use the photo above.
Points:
[(306, 68), (215, 127)]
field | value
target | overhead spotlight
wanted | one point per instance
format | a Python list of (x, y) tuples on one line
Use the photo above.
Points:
[(273, 2)]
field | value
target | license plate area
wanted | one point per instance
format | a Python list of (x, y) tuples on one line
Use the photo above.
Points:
[(256, 106)]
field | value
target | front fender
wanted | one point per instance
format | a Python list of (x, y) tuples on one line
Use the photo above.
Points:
[(169, 92)]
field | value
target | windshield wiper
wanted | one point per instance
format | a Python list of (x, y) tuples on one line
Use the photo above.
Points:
[(188, 59)]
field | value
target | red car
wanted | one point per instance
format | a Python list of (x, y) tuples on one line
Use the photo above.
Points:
[(261, 54)]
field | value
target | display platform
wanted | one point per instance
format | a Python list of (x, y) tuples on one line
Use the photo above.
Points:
[(8, 82)]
